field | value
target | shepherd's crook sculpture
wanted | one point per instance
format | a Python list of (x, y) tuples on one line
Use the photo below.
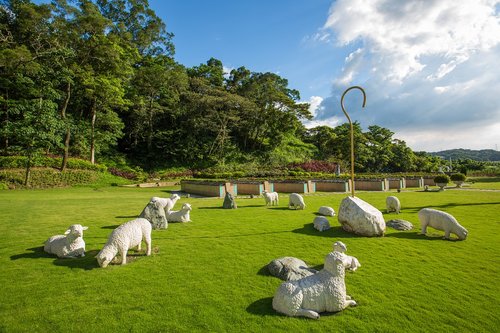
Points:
[(352, 131)]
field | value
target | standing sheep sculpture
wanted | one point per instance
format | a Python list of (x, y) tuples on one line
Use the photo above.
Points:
[(167, 203), (441, 221), (271, 198), (180, 215), (128, 235), (296, 201), (69, 245), (323, 291), (326, 211), (392, 204)]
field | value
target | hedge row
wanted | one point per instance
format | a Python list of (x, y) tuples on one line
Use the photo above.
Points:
[(14, 162), (46, 178)]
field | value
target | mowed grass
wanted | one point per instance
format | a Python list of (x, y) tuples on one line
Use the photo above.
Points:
[(209, 275)]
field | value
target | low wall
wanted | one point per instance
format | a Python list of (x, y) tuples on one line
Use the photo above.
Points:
[(291, 186), (429, 181), (208, 189), (415, 182), (250, 187), (332, 185), (371, 184), (397, 183)]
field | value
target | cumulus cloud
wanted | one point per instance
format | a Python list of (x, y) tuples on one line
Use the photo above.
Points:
[(424, 65)]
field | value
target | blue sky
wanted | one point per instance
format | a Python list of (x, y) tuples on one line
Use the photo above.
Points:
[(430, 68)]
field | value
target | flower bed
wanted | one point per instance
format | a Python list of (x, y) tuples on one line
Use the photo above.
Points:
[(371, 184), (294, 186), (208, 188), (332, 185)]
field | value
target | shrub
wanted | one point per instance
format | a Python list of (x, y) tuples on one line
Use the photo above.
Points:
[(458, 177), (443, 179)]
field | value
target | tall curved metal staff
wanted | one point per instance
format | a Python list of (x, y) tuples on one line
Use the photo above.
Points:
[(352, 131)]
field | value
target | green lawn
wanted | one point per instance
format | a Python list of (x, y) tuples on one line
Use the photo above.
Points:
[(208, 275)]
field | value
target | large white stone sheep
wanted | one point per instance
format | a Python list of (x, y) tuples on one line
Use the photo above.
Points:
[(180, 215), (323, 291), (271, 198), (392, 204), (69, 245), (296, 201), (128, 235), (326, 211), (441, 221), (167, 203), (321, 223)]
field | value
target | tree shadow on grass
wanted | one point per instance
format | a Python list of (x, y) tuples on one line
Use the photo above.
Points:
[(335, 231), (263, 307), (87, 263)]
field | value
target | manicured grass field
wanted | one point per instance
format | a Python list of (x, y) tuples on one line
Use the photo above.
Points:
[(209, 275)]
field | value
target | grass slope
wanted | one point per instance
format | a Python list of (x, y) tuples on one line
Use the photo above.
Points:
[(208, 275)]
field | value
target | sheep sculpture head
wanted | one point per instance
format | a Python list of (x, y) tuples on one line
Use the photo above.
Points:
[(186, 206), (104, 258), (75, 230), (175, 196)]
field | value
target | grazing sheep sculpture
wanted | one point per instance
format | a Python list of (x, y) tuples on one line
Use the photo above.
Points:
[(128, 235), (321, 223), (392, 204), (326, 211), (296, 201), (167, 203), (69, 245), (441, 221), (271, 198), (180, 215), (323, 291)]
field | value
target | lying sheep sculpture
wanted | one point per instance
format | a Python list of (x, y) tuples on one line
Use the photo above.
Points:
[(323, 291), (326, 211), (296, 201), (271, 198), (180, 215), (69, 245), (128, 235), (321, 223), (392, 204), (441, 221)]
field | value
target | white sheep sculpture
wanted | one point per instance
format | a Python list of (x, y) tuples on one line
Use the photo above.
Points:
[(392, 204), (167, 203), (341, 247), (271, 198), (441, 221), (69, 245), (296, 201), (326, 211), (321, 223), (128, 235), (180, 215), (323, 291)]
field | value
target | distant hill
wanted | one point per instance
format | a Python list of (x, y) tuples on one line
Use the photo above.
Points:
[(477, 155)]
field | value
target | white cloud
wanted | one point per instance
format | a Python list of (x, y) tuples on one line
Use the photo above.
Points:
[(314, 104), (425, 66)]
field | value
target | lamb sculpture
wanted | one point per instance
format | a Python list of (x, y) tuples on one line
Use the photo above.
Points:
[(167, 203), (326, 211), (392, 204), (128, 235), (441, 221), (69, 245), (180, 215), (271, 198), (296, 201), (323, 291)]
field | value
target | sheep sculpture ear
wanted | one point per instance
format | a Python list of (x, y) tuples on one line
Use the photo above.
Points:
[(67, 232), (85, 228)]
